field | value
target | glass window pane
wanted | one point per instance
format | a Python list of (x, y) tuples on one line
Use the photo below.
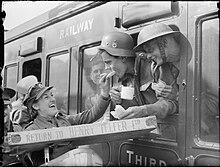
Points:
[(59, 77), (93, 67), (11, 81), (209, 105), (73, 82)]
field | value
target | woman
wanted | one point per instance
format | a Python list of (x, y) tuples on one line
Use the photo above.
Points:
[(41, 102)]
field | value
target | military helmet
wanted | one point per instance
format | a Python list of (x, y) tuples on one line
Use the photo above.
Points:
[(118, 44), (151, 32)]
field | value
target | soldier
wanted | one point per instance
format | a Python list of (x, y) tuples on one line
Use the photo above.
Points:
[(118, 54)]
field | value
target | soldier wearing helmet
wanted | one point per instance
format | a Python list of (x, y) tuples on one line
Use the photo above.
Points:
[(117, 52), (119, 56)]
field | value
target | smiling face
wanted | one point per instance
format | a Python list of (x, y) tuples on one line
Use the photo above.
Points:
[(96, 71), (46, 104), (152, 51), (115, 64)]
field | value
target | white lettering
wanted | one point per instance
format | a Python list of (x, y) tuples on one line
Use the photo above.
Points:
[(74, 32), (76, 29), (153, 162), (67, 32), (80, 27), (90, 23), (86, 27), (162, 163), (141, 160), (129, 155), (138, 160), (61, 34), (145, 161)]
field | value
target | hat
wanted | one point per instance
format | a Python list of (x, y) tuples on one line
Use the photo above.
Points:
[(25, 83), (155, 30), (118, 44), (35, 93), (152, 31), (8, 93)]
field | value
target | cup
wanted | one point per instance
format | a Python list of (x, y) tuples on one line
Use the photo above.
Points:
[(127, 93)]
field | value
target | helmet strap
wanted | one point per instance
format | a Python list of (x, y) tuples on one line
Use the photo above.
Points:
[(161, 42)]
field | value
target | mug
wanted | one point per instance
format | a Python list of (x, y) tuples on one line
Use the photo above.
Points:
[(127, 93)]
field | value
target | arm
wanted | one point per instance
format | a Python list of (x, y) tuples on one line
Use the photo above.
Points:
[(161, 109), (98, 109), (91, 115)]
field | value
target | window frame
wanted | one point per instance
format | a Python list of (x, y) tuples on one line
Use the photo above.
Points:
[(47, 75), (9, 66), (81, 66), (198, 85)]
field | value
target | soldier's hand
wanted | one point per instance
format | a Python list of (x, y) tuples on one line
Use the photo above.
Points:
[(115, 94), (134, 112), (164, 90), (105, 83)]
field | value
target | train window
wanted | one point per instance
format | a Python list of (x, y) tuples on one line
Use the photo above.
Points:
[(59, 78), (93, 67), (9, 79), (209, 94), (32, 67), (142, 12)]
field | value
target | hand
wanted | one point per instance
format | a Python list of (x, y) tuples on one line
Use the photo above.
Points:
[(105, 83), (115, 95), (134, 112), (166, 91)]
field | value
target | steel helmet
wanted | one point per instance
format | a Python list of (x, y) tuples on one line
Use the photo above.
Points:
[(151, 32), (118, 44)]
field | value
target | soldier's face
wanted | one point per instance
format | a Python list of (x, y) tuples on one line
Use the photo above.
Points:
[(115, 64), (46, 105), (152, 51)]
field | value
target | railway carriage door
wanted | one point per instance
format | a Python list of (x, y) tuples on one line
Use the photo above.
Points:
[(203, 141)]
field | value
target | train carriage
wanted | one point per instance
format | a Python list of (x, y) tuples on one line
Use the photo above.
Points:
[(58, 45)]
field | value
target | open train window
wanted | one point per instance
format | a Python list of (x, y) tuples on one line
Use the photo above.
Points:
[(93, 66), (32, 67), (168, 126)]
